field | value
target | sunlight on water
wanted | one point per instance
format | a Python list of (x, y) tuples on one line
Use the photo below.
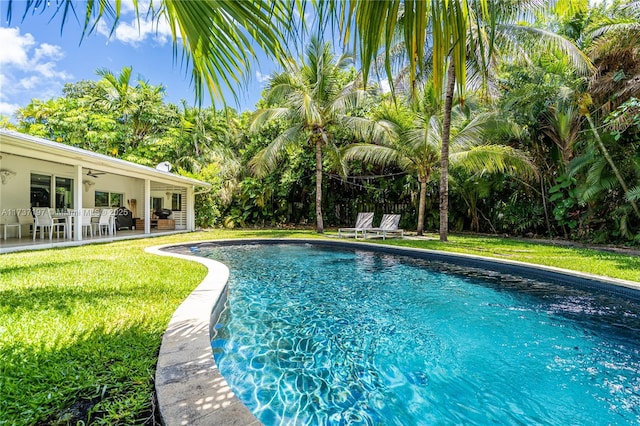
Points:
[(315, 336)]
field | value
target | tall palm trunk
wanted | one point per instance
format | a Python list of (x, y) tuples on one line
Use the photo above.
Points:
[(319, 223), (444, 155), (612, 164), (422, 204)]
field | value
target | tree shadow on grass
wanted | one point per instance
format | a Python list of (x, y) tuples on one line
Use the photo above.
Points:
[(103, 375), (66, 285), (44, 266), (61, 298)]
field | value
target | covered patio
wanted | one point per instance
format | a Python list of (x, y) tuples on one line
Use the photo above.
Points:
[(67, 183)]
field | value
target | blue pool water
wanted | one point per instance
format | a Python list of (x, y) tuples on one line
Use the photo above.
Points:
[(316, 336)]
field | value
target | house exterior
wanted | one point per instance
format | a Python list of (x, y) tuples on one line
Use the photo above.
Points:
[(37, 172)]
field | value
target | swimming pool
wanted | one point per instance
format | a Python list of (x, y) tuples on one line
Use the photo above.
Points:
[(327, 336)]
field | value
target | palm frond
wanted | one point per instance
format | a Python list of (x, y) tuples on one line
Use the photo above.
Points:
[(550, 41), (266, 159), (218, 39), (280, 86), (633, 194), (495, 159), (263, 116), (376, 154), (364, 129), (424, 140), (470, 134), (349, 100)]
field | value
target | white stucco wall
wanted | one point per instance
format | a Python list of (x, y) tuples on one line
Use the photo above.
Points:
[(15, 194), (16, 161)]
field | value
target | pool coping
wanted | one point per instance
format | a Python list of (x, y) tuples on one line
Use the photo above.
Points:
[(189, 387)]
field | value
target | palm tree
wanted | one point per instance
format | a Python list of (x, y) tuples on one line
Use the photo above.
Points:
[(562, 123), (137, 105), (412, 143), (193, 137), (313, 98), (457, 32), (612, 41), (415, 146), (450, 35)]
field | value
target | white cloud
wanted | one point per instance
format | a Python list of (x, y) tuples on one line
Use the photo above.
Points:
[(262, 78), (8, 109), (136, 32), (14, 47), (48, 51), (29, 69), (29, 83)]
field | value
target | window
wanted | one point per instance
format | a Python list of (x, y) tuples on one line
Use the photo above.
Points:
[(64, 193), (116, 200), (156, 203), (176, 202), (102, 199), (51, 191), (108, 199), (40, 190)]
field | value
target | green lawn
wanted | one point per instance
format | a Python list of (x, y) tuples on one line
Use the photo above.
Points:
[(80, 327)]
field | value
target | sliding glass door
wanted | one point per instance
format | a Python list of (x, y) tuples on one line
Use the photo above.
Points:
[(43, 186)]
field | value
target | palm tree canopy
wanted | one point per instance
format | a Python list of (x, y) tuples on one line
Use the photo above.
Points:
[(469, 33), (414, 145), (448, 23), (311, 97)]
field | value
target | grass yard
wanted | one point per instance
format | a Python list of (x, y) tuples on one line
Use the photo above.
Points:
[(80, 327)]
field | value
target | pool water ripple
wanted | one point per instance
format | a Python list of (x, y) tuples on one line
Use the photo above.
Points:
[(312, 336)]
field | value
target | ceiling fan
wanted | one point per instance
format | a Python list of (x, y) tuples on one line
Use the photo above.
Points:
[(95, 174)]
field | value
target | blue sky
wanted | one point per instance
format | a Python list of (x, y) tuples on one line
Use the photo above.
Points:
[(36, 59)]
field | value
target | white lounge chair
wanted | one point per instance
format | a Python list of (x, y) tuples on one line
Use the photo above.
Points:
[(363, 221), (388, 226)]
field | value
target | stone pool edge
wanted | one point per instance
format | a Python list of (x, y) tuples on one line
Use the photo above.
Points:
[(189, 387)]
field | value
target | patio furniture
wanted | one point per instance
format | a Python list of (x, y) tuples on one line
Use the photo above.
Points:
[(43, 220), (86, 223), (25, 218), (5, 224), (388, 226), (106, 221), (64, 216), (363, 221), (166, 224)]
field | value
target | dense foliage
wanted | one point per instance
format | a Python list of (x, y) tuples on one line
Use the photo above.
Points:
[(575, 137)]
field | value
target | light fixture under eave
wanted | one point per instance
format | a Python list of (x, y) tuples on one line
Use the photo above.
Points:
[(87, 184), (6, 174)]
